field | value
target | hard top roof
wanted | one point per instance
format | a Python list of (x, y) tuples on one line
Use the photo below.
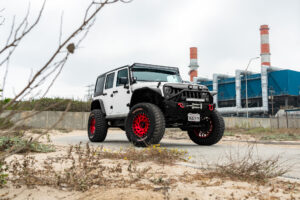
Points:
[(143, 65)]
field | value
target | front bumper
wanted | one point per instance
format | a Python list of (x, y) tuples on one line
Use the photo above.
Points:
[(176, 113)]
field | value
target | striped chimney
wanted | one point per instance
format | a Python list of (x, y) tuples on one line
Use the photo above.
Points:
[(193, 63), (265, 46)]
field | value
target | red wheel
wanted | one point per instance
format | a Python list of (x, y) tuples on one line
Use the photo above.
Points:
[(210, 130), (97, 126), (92, 126), (140, 124), (145, 124), (206, 131)]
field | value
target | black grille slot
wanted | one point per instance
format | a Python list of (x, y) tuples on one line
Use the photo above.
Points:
[(192, 94), (187, 94)]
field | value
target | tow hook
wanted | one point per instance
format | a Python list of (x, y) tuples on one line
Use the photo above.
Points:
[(181, 105), (211, 107)]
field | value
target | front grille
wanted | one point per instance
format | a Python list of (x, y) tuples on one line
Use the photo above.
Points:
[(193, 94), (179, 95), (175, 91)]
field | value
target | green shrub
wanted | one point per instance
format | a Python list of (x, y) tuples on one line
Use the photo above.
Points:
[(3, 175), (44, 103), (5, 124), (19, 142)]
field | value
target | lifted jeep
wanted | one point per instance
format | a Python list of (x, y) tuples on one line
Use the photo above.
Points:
[(145, 99)]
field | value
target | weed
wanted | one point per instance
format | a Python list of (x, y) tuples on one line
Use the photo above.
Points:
[(281, 137), (37, 131), (3, 174), (153, 153), (17, 142), (64, 130), (229, 133), (82, 167), (267, 133), (250, 167), (4, 124)]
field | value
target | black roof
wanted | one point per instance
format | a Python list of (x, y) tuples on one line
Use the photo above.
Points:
[(155, 66), (143, 65)]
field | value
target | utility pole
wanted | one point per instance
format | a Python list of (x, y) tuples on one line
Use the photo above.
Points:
[(90, 91)]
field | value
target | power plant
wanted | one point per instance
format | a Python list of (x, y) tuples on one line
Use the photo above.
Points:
[(249, 93)]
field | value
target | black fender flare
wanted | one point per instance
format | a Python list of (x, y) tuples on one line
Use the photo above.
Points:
[(98, 103), (155, 90)]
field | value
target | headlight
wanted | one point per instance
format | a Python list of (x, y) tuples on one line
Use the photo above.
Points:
[(168, 90)]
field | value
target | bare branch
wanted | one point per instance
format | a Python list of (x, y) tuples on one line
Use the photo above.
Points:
[(18, 149), (17, 38), (4, 78), (2, 19), (60, 28), (71, 36), (53, 66)]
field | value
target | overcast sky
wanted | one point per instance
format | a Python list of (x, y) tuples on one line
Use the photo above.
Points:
[(226, 33)]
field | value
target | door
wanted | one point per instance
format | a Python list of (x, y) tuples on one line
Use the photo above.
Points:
[(108, 92), (122, 94)]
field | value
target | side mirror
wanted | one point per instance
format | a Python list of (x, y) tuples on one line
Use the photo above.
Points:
[(134, 79), (123, 80)]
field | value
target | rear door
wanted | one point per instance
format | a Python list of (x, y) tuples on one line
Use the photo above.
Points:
[(98, 93), (109, 87)]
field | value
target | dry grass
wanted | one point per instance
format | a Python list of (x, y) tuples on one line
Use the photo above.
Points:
[(266, 133), (250, 167), (84, 167), (154, 153)]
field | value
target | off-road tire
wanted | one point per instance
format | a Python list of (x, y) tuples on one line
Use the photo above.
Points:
[(98, 134), (215, 134), (156, 125)]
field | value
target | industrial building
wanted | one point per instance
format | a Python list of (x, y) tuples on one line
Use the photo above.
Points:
[(249, 93)]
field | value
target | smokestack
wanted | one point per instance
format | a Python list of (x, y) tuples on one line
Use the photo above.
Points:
[(265, 46), (193, 63)]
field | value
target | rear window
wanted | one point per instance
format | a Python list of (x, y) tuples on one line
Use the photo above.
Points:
[(109, 80), (99, 86)]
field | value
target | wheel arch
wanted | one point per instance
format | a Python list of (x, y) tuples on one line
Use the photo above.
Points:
[(147, 95), (98, 104)]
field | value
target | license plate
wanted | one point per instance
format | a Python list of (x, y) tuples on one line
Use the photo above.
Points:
[(194, 117)]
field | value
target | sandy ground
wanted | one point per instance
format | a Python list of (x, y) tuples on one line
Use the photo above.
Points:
[(160, 182)]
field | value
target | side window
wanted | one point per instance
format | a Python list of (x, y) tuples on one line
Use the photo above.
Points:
[(122, 73), (109, 80), (99, 86)]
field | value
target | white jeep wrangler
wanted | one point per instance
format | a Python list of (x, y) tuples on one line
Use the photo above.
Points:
[(145, 99)]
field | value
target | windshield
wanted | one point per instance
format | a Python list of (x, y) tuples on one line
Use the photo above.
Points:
[(156, 75)]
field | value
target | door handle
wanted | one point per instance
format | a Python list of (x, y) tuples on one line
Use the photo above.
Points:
[(104, 94), (116, 91)]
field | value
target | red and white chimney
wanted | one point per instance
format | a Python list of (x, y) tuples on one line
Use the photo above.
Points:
[(193, 63), (265, 45)]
